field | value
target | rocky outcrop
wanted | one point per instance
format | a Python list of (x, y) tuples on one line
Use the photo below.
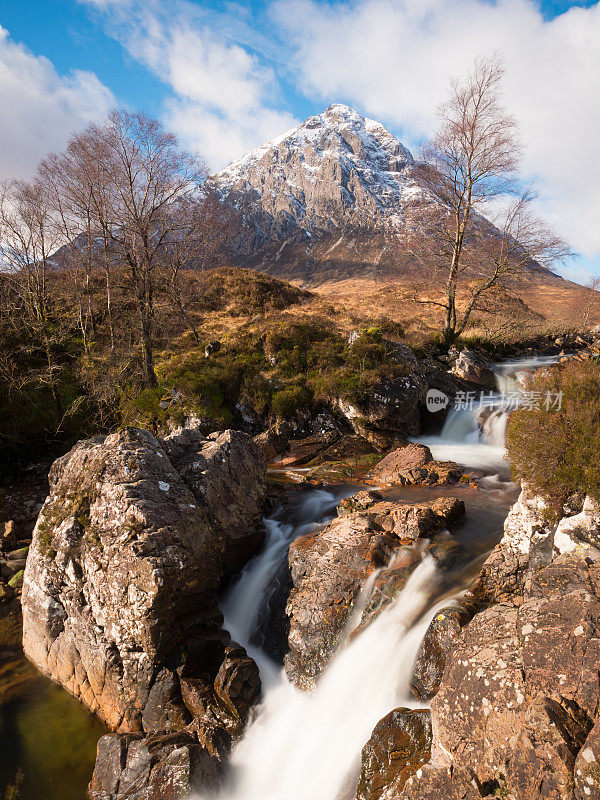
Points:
[(120, 590), (437, 646), (475, 368), (516, 714), (329, 568), (389, 412), (413, 464), (158, 767), (399, 745)]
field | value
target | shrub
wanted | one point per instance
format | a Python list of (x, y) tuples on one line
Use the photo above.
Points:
[(557, 451), (286, 402)]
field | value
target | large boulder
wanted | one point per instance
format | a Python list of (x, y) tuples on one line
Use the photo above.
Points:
[(475, 368), (157, 767), (389, 412), (413, 464), (120, 589), (399, 745)]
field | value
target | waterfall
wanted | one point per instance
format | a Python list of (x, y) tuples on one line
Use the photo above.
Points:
[(307, 746), (474, 435), (250, 594)]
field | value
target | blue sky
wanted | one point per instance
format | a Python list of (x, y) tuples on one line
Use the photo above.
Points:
[(227, 76)]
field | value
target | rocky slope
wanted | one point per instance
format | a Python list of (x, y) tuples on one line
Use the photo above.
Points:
[(120, 592), (516, 713)]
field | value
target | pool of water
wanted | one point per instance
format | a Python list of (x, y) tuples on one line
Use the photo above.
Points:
[(51, 738)]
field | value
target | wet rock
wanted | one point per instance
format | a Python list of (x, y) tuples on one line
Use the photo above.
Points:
[(219, 685), (519, 697), (438, 644), (127, 557), (329, 568), (411, 521), (413, 464), (9, 535), (158, 767), (388, 584), (16, 582), (359, 501), (399, 745), (475, 368)]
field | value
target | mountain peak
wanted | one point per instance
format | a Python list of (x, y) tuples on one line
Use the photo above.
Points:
[(338, 169)]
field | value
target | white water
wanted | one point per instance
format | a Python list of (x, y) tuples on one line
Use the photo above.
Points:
[(242, 604), (463, 440), (307, 746)]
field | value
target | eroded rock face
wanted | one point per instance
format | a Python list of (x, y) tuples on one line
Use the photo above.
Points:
[(329, 568), (158, 767), (127, 556), (399, 745), (516, 713)]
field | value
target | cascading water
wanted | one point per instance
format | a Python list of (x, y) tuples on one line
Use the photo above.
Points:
[(307, 746), (474, 434), (242, 604)]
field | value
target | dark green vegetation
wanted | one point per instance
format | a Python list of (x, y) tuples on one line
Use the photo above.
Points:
[(557, 450), (279, 351)]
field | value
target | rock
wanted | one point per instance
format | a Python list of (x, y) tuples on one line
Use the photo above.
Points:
[(359, 501), (273, 441), (6, 592), (17, 555), (226, 472), (303, 451), (527, 540), (211, 349), (158, 767), (128, 554), (475, 368), (329, 568), (529, 543), (16, 582), (516, 714), (413, 464), (219, 684), (390, 412), (438, 643), (9, 535), (399, 745)]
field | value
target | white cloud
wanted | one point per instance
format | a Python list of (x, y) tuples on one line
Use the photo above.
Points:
[(40, 108), (224, 98), (393, 59)]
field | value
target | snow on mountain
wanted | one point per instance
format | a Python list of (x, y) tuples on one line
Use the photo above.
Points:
[(338, 171)]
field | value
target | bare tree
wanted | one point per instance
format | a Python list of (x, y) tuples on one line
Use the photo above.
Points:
[(593, 301), (470, 164), (127, 178)]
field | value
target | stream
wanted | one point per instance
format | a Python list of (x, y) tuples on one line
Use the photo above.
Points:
[(299, 746)]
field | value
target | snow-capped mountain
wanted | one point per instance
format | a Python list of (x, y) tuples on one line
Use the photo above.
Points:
[(338, 170), (338, 180)]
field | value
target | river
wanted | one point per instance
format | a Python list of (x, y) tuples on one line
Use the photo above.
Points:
[(299, 746)]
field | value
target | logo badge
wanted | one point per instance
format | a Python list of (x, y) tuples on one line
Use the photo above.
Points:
[(436, 400)]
